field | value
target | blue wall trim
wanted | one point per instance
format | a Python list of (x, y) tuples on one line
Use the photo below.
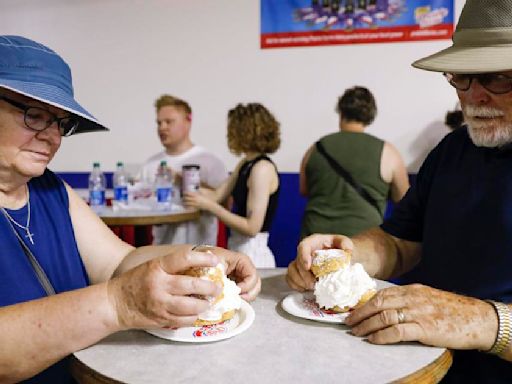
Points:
[(81, 179), (285, 230)]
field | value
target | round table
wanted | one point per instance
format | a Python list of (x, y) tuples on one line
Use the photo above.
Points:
[(127, 217), (278, 347)]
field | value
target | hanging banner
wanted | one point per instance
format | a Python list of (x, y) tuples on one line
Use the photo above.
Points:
[(299, 23)]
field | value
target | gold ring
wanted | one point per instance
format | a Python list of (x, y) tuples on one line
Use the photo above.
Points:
[(401, 316)]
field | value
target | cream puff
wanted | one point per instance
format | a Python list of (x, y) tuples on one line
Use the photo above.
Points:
[(222, 307), (329, 260), (341, 286)]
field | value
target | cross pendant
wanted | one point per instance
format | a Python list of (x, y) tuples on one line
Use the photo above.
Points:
[(30, 237)]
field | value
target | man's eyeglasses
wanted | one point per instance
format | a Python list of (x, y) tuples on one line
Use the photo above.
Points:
[(38, 119), (493, 82)]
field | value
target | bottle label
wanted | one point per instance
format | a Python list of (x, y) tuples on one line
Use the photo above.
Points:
[(97, 198), (163, 194), (121, 193)]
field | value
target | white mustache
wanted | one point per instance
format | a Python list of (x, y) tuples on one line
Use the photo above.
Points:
[(474, 111)]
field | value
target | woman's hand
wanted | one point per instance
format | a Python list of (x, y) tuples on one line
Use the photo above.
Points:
[(430, 316), (198, 200), (240, 269), (156, 294), (299, 276)]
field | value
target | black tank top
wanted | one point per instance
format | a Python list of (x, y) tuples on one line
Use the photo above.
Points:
[(240, 192)]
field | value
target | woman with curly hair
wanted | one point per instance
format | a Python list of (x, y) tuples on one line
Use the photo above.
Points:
[(253, 132)]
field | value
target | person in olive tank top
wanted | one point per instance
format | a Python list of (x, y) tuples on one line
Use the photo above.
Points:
[(334, 205), (254, 184)]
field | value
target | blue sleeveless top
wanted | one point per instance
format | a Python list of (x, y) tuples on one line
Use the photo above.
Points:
[(54, 248)]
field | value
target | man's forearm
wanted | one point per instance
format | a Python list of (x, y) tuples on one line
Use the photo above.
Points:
[(383, 255)]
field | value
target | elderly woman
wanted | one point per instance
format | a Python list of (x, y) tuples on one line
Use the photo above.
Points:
[(254, 184), (66, 281)]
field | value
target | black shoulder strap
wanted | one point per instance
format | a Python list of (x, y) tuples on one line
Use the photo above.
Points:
[(347, 176), (265, 157), (249, 164)]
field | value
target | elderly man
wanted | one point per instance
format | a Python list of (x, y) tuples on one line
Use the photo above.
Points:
[(452, 231)]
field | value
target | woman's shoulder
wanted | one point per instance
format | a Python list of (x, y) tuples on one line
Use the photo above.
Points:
[(263, 166), (261, 159)]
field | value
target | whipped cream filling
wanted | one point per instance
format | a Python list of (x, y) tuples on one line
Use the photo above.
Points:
[(322, 255), (231, 299), (344, 287)]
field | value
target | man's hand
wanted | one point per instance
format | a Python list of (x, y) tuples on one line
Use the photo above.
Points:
[(430, 316), (299, 276)]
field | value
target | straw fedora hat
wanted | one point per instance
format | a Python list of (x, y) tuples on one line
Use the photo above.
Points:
[(482, 41)]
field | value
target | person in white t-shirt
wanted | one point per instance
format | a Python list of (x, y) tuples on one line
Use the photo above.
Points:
[(174, 120)]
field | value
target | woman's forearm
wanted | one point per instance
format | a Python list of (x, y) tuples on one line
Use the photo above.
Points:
[(38, 333), (246, 226)]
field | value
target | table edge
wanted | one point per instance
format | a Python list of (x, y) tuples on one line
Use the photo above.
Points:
[(150, 219), (432, 373), (83, 374)]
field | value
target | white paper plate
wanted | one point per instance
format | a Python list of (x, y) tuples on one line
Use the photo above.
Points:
[(240, 322), (303, 304)]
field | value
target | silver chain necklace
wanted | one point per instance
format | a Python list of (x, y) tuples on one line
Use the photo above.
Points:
[(26, 227)]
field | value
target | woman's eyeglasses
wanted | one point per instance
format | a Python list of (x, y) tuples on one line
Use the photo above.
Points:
[(494, 82), (38, 119)]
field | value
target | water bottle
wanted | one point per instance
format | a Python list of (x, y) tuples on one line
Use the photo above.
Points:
[(120, 186), (163, 187), (97, 184)]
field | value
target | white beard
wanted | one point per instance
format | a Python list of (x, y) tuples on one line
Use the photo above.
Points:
[(487, 133)]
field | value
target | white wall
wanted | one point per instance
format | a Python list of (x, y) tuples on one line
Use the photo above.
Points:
[(124, 54)]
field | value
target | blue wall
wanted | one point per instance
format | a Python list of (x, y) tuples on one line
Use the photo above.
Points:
[(284, 234), (80, 179), (285, 231)]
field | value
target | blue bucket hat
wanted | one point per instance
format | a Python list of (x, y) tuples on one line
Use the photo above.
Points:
[(34, 70)]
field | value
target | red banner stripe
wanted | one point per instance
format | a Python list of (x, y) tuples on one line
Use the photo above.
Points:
[(356, 36)]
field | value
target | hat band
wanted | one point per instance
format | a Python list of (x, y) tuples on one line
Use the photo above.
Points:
[(482, 37)]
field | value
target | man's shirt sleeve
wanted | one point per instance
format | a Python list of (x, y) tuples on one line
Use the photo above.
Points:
[(407, 219)]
